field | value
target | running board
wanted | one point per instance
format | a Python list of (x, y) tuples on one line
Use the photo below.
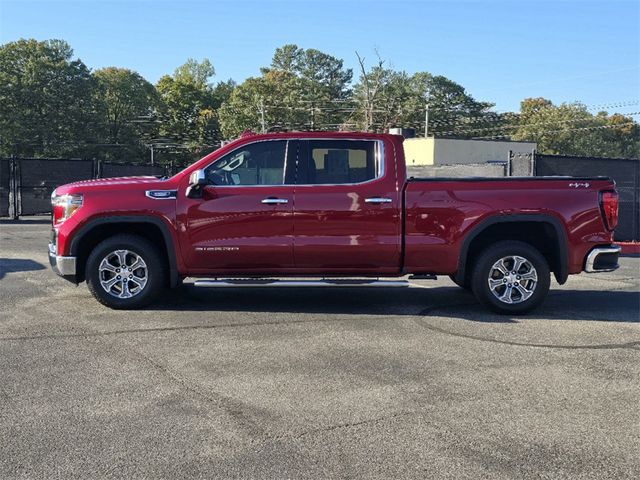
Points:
[(300, 283)]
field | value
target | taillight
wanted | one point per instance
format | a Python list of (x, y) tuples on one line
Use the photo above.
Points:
[(609, 207)]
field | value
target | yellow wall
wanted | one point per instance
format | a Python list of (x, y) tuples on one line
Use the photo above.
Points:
[(419, 151)]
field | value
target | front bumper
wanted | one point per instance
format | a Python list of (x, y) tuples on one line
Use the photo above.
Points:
[(63, 266), (602, 259)]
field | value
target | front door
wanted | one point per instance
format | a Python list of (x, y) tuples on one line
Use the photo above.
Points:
[(244, 220), (347, 212)]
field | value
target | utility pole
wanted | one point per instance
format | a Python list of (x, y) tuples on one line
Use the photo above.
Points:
[(313, 118), (426, 120), (426, 112), (262, 115), (151, 147)]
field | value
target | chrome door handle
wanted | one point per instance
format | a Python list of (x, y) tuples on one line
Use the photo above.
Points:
[(274, 201), (377, 200)]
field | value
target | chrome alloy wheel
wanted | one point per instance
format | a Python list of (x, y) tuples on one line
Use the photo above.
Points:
[(123, 273), (513, 279)]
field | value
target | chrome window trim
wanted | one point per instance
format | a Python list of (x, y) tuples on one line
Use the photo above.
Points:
[(379, 153)]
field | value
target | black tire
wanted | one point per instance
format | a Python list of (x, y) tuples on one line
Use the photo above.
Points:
[(514, 283), (465, 285), (153, 270)]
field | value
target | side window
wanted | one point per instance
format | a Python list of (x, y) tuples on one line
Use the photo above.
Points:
[(260, 163), (341, 161)]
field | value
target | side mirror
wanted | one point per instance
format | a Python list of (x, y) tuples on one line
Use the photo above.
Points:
[(197, 180)]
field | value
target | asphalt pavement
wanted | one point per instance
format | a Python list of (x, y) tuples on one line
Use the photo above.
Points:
[(314, 383)]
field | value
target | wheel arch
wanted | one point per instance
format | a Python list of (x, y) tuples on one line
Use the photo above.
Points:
[(96, 230), (518, 226)]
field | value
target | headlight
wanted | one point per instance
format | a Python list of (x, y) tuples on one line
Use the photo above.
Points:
[(64, 206)]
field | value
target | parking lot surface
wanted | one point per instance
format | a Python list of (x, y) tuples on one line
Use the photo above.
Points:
[(314, 383)]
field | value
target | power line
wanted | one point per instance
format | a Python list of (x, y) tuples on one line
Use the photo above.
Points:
[(533, 124), (600, 127)]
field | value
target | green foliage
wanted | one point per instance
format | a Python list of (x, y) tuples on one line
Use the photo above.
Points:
[(570, 129), (45, 99), (51, 105), (387, 98), (187, 113), (272, 97), (124, 104), (301, 89)]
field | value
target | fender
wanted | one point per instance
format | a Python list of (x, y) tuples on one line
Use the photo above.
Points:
[(174, 278), (561, 240)]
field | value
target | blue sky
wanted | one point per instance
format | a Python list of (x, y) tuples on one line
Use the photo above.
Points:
[(500, 51)]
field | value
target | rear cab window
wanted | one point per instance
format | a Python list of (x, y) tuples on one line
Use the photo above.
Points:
[(335, 162)]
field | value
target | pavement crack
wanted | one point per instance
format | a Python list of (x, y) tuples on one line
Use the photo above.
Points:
[(233, 408), (371, 421), (162, 329)]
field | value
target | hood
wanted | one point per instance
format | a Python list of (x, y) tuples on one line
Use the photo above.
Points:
[(115, 183)]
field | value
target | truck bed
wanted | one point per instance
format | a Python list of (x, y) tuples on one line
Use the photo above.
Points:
[(440, 213)]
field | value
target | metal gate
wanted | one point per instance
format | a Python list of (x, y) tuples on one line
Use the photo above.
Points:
[(38, 177), (5, 186), (26, 183)]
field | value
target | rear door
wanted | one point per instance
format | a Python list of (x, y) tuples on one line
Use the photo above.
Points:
[(244, 220), (347, 208)]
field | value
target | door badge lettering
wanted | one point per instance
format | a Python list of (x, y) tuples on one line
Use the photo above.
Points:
[(217, 249)]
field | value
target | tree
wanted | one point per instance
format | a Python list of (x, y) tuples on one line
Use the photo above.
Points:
[(452, 111), (124, 102), (263, 103), (195, 73), (386, 98), (301, 89), (321, 83), (188, 111), (45, 99), (570, 129)]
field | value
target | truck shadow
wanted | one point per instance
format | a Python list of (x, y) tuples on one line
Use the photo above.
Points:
[(449, 302), (13, 265)]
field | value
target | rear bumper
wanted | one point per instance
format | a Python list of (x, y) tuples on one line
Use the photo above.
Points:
[(602, 259), (63, 266)]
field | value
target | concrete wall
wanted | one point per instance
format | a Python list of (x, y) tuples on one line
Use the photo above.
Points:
[(445, 151), (457, 171), (450, 151)]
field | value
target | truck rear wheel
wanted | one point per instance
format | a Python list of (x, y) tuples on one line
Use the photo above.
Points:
[(125, 272), (511, 277)]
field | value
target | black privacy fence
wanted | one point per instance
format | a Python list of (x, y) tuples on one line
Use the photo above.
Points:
[(26, 184), (625, 172)]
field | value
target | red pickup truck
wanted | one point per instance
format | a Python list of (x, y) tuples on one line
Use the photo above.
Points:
[(337, 206)]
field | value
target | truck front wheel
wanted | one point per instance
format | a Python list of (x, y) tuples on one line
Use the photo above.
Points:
[(125, 272), (511, 277)]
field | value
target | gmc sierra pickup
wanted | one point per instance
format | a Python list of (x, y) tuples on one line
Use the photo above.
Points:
[(329, 205)]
